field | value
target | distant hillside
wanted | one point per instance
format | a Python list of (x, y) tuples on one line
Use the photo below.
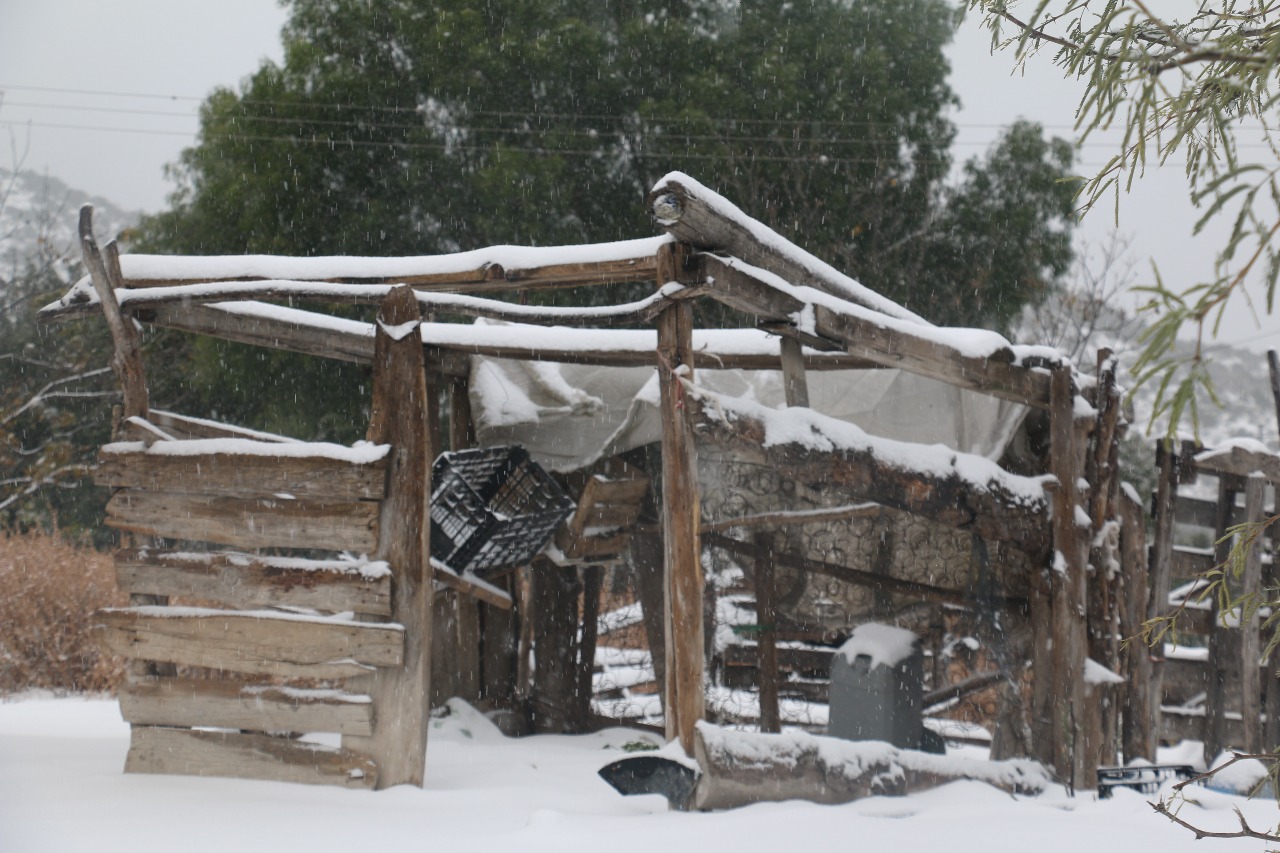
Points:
[(38, 213)]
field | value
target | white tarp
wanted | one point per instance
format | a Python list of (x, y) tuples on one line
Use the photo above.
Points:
[(570, 415)]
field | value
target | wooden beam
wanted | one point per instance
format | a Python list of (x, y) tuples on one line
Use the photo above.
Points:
[(247, 522), (265, 331), (470, 585), (684, 211), (126, 358), (847, 574), (1237, 462), (684, 701), (183, 752), (825, 515), (236, 705), (947, 498), (401, 693), (251, 641), (486, 278), (247, 581), (243, 474), (917, 352)]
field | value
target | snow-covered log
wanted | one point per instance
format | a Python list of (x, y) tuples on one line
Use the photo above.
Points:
[(741, 768), (951, 488)]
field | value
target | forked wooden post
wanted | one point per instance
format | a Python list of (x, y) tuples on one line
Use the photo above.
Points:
[(684, 698), (399, 418), (126, 360)]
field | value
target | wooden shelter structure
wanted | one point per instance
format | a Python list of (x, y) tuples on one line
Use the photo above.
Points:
[(180, 478)]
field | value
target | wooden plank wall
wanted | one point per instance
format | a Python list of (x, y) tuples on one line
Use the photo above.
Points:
[(270, 644)]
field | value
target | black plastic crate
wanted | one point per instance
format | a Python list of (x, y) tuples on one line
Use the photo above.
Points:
[(492, 508), (1143, 778)]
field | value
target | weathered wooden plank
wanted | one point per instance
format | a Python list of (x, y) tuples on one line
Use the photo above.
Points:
[(399, 418), (236, 705), (246, 581), (468, 584), (248, 522), (241, 474), (767, 635), (684, 701), (183, 752), (795, 387), (256, 641), (1140, 710), (1221, 636)]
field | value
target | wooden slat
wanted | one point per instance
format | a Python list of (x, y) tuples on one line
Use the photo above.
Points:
[(246, 581), (236, 705), (248, 522), (471, 585), (183, 427), (256, 642), (126, 358), (182, 752), (243, 474)]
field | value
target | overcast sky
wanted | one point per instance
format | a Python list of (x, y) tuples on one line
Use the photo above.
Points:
[(103, 95)]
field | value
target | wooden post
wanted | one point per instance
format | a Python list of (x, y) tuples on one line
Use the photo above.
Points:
[(399, 418), (795, 386), (592, 580), (1160, 561), (767, 636), (126, 360), (1141, 705), (554, 619), (682, 564), (1068, 588), (1255, 490), (1222, 663)]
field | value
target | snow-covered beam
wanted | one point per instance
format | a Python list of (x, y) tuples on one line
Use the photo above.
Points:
[(955, 489)]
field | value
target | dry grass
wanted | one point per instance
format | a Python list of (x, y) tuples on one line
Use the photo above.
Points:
[(48, 588)]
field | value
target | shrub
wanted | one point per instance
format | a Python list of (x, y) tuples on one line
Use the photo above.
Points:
[(48, 589)]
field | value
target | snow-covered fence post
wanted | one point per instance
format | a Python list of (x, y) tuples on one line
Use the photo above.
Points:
[(684, 700), (399, 418)]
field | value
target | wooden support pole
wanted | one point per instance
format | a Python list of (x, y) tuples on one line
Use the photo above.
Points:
[(684, 698), (795, 386), (592, 581), (126, 360), (1255, 491), (1160, 558), (1068, 589), (1141, 704), (767, 636), (399, 418), (1222, 662)]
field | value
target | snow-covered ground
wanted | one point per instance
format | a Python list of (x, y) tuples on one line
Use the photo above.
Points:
[(62, 790)]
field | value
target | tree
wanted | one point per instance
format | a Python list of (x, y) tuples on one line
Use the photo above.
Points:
[(1178, 87), (397, 127), (51, 388)]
